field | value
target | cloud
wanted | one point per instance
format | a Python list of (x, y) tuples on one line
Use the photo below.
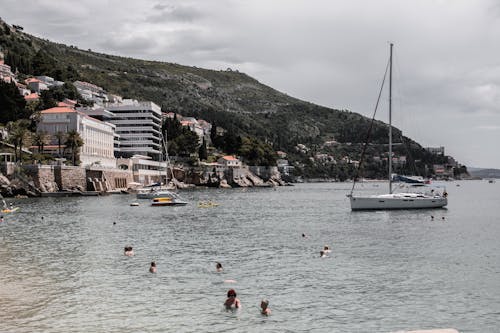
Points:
[(174, 13), (446, 70)]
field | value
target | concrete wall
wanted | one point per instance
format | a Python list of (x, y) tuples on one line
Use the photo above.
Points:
[(48, 178), (108, 179), (70, 177)]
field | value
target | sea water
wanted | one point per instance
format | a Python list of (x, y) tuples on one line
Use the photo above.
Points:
[(62, 267)]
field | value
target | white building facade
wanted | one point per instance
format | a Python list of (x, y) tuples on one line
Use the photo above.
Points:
[(138, 125), (97, 136)]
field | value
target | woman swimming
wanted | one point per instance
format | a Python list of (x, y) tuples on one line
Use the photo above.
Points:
[(232, 303)]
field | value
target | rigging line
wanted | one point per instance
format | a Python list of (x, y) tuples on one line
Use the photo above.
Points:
[(360, 166)]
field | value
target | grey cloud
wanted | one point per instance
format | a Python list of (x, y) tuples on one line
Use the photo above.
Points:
[(331, 53), (173, 13)]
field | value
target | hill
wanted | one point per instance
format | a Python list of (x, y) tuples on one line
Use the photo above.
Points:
[(228, 98), (484, 173)]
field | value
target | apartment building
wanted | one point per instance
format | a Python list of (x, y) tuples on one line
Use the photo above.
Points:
[(138, 125), (97, 136)]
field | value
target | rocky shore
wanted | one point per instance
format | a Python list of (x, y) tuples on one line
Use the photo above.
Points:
[(35, 181)]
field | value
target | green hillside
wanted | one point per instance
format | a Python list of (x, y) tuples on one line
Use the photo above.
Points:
[(229, 99)]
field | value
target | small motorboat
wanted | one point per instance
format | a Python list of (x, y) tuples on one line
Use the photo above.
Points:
[(134, 204), (207, 204), (172, 199)]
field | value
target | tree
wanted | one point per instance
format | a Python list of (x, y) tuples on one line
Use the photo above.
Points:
[(60, 136), (74, 141), (39, 140), (12, 104), (18, 135), (202, 151), (171, 128)]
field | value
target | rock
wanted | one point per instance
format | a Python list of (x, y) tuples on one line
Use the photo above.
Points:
[(223, 184), (4, 180)]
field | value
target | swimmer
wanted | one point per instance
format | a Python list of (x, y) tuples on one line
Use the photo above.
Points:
[(129, 252), (304, 235), (442, 218), (232, 302), (264, 307), (114, 223), (322, 254), (432, 217), (218, 267), (326, 249), (152, 269), (1, 218)]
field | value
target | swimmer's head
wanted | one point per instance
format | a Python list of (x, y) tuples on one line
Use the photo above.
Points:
[(218, 265), (264, 303), (153, 264), (231, 293)]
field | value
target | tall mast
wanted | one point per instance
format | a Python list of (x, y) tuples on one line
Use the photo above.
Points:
[(390, 120)]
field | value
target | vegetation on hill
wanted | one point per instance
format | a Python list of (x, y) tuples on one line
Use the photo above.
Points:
[(258, 120)]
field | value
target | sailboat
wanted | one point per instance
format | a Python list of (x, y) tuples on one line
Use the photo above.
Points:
[(401, 200), (159, 190)]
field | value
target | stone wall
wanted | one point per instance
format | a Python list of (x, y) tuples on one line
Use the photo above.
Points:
[(70, 177), (42, 177)]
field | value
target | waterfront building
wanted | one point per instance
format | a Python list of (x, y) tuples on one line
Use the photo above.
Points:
[(144, 169), (229, 162), (436, 150), (97, 136), (138, 125)]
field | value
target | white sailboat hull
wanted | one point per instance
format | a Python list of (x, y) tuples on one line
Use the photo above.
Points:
[(397, 201)]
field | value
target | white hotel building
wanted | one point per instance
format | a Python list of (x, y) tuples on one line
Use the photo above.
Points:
[(97, 136), (138, 125)]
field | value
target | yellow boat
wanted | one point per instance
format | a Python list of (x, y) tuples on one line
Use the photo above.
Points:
[(207, 204), (170, 200), (11, 210)]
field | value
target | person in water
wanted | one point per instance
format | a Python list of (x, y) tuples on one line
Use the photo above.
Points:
[(264, 307), (129, 252), (322, 254), (218, 267), (232, 303), (326, 249), (1, 218), (152, 268)]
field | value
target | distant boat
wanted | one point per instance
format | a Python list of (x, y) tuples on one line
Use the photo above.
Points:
[(170, 199), (409, 179), (491, 181), (407, 200), (153, 192), (158, 190)]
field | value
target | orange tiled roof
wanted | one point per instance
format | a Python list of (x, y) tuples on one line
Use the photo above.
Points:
[(229, 158), (31, 96), (64, 105), (32, 79), (58, 109)]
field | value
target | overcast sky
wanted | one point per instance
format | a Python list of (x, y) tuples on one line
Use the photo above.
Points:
[(330, 52)]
